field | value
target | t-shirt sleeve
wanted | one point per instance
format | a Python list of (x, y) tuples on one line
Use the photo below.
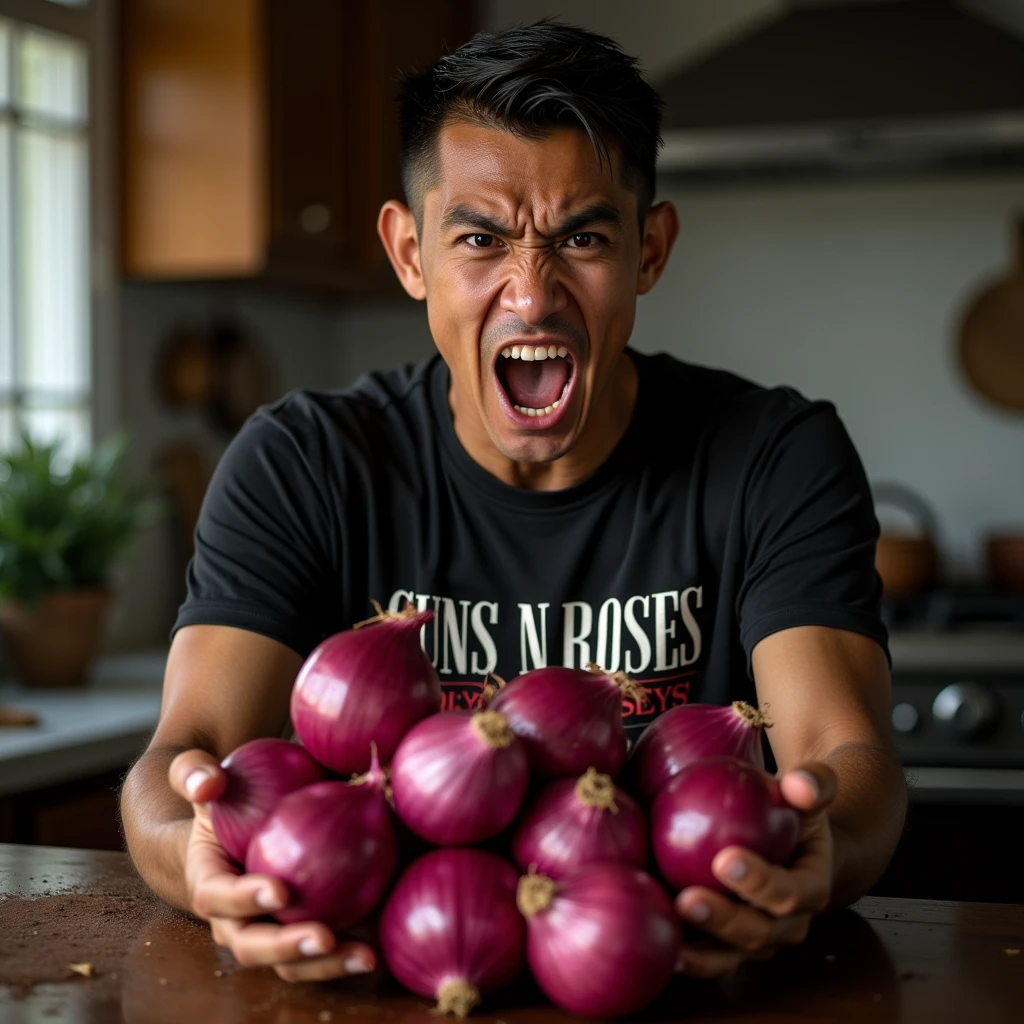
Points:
[(810, 533), (263, 553)]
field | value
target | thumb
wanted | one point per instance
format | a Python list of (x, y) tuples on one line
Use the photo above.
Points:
[(810, 786), (197, 776)]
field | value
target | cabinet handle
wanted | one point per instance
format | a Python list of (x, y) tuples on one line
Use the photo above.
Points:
[(315, 218)]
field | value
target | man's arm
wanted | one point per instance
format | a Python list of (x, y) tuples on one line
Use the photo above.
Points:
[(223, 687), (827, 692)]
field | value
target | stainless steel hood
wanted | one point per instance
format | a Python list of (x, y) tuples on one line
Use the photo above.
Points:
[(850, 89)]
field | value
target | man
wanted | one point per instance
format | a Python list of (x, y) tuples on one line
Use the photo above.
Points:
[(553, 496)]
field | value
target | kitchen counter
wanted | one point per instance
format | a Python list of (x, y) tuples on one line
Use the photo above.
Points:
[(81, 732), (886, 961)]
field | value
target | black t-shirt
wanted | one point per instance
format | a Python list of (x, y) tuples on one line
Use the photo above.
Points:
[(727, 512)]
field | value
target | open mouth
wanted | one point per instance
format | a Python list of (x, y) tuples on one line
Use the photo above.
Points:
[(536, 379)]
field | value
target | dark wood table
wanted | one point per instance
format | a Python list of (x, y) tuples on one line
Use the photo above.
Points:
[(887, 960)]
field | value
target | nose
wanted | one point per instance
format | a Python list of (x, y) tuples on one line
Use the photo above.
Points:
[(533, 291)]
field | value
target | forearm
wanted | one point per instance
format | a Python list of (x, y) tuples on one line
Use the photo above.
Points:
[(867, 816), (157, 824)]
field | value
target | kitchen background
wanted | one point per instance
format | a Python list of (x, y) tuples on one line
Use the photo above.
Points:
[(851, 289)]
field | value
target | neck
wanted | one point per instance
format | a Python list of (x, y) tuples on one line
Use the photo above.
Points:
[(610, 414)]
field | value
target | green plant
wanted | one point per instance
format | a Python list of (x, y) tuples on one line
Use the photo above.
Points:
[(64, 525)]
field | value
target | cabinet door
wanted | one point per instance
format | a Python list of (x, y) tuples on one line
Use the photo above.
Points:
[(309, 44)]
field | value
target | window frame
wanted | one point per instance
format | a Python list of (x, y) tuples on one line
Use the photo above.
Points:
[(94, 24)]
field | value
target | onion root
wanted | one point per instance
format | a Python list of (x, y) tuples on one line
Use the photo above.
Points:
[(385, 615), (754, 718), (454, 996), (629, 687), (596, 790), (493, 728), (534, 894)]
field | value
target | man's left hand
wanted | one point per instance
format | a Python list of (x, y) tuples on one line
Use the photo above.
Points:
[(778, 902)]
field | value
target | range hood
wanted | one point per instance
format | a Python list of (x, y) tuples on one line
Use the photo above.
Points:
[(843, 89)]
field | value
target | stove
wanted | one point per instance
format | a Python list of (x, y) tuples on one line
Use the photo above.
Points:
[(958, 724)]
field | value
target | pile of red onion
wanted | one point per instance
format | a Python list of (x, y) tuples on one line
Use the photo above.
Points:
[(574, 831)]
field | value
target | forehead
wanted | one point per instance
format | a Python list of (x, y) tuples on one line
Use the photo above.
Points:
[(551, 175)]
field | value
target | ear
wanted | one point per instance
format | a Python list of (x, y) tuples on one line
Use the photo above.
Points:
[(660, 231), (397, 229)]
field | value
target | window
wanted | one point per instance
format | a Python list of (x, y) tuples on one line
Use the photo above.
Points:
[(45, 309)]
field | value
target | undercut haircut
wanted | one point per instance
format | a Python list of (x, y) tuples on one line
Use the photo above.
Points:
[(531, 80)]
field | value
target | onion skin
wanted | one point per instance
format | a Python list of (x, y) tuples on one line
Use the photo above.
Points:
[(459, 778), (607, 943), (333, 844), (569, 719), (365, 685), (452, 916), (580, 821), (692, 732), (717, 803), (259, 774)]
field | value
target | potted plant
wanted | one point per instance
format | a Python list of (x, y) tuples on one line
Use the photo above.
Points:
[(62, 526)]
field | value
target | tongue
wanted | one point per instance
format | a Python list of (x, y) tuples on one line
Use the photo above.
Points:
[(534, 385)]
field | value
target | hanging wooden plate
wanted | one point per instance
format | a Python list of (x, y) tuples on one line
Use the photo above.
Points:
[(992, 338)]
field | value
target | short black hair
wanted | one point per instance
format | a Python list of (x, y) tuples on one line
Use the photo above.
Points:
[(530, 80)]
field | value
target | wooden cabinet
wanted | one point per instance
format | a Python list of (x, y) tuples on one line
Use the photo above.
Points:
[(260, 137)]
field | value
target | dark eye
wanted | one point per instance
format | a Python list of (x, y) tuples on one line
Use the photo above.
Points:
[(480, 241), (583, 240)]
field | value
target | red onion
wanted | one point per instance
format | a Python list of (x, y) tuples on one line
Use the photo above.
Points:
[(577, 822), (692, 732), (569, 719), (602, 942), (334, 845), (450, 928), (371, 683), (459, 778), (717, 803), (259, 773)]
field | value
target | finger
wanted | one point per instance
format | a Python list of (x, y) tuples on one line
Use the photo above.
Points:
[(810, 786), (708, 963), (261, 944), (778, 891), (238, 896), (346, 960), (197, 776), (739, 926)]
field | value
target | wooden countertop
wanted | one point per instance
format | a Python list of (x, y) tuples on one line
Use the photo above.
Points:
[(888, 961)]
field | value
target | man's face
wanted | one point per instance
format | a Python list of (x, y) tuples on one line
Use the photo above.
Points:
[(530, 252)]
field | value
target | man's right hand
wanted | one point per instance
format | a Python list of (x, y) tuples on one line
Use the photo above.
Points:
[(233, 903)]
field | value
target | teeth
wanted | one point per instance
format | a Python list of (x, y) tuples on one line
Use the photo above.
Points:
[(535, 352), (538, 412)]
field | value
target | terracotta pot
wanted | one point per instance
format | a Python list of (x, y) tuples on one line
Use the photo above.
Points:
[(1005, 555), (55, 643), (907, 563)]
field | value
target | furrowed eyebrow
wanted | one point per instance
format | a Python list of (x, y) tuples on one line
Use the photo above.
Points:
[(463, 215)]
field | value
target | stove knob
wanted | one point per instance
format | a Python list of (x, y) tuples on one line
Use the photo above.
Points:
[(905, 718), (966, 710)]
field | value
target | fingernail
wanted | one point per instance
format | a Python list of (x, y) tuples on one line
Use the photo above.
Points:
[(699, 913), (311, 946), (195, 779), (811, 781), (269, 900), (356, 965), (736, 870)]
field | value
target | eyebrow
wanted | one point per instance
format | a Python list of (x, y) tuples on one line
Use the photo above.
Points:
[(463, 215)]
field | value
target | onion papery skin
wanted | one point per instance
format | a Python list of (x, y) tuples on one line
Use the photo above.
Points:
[(452, 917), (459, 777), (560, 831), (606, 945), (363, 686), (717, 803), (259, 774), (689, 733), (568, 719), (333, 844)]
